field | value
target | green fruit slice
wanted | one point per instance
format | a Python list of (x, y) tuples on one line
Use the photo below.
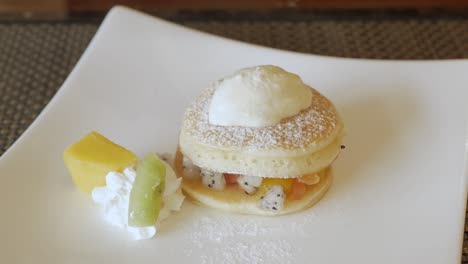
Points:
[(147, 191)]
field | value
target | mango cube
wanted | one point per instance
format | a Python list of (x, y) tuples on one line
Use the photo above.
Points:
[(92, 157), (267, 183)]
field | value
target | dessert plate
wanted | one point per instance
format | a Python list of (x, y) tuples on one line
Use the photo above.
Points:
[(400, 185)]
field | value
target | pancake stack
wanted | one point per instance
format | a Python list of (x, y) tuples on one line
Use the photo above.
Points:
[(287, 164)]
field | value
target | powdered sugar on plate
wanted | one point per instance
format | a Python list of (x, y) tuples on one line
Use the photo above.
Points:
[(218, 230), (243, 239), (252, 252)]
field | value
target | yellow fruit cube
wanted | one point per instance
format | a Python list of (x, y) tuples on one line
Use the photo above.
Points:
[(310, 179), (92, 157), (267, 183)]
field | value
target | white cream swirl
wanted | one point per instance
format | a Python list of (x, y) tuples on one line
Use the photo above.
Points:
[(114, 200), (257, 97)]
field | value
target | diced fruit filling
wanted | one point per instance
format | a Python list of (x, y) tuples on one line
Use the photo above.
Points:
[(298, 190), (231, 178), (309, 179), (213, 180), (249, 184), (270, 182), (272, 190), (190, 170), (92, 157), (273, 199)]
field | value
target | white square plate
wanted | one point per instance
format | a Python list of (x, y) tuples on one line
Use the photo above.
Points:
[(400, 185)]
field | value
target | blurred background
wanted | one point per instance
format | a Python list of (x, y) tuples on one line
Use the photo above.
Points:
[(63, 8)]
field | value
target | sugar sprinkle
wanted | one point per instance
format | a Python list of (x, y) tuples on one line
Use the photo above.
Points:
[(245, 240), (310, 125)]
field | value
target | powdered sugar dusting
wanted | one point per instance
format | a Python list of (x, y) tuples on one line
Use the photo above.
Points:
[(216, 238), (218, 230), (310, 125), (224, 240), (251, 252)]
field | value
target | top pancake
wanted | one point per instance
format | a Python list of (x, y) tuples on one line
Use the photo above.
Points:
[(308, 132)]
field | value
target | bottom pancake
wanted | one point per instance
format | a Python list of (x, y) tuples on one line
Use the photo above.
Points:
[(233, 199)]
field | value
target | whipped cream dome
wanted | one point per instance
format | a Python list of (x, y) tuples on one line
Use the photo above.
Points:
[(257, 97)]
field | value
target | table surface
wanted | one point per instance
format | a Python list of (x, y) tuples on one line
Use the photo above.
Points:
[(36, 56)]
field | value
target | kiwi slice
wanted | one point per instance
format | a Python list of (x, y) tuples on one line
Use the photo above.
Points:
[(147, 192)]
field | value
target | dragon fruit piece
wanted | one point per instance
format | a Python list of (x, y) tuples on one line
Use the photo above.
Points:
[(212, 179), (273, 199), (249, 184), (191, 171)]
